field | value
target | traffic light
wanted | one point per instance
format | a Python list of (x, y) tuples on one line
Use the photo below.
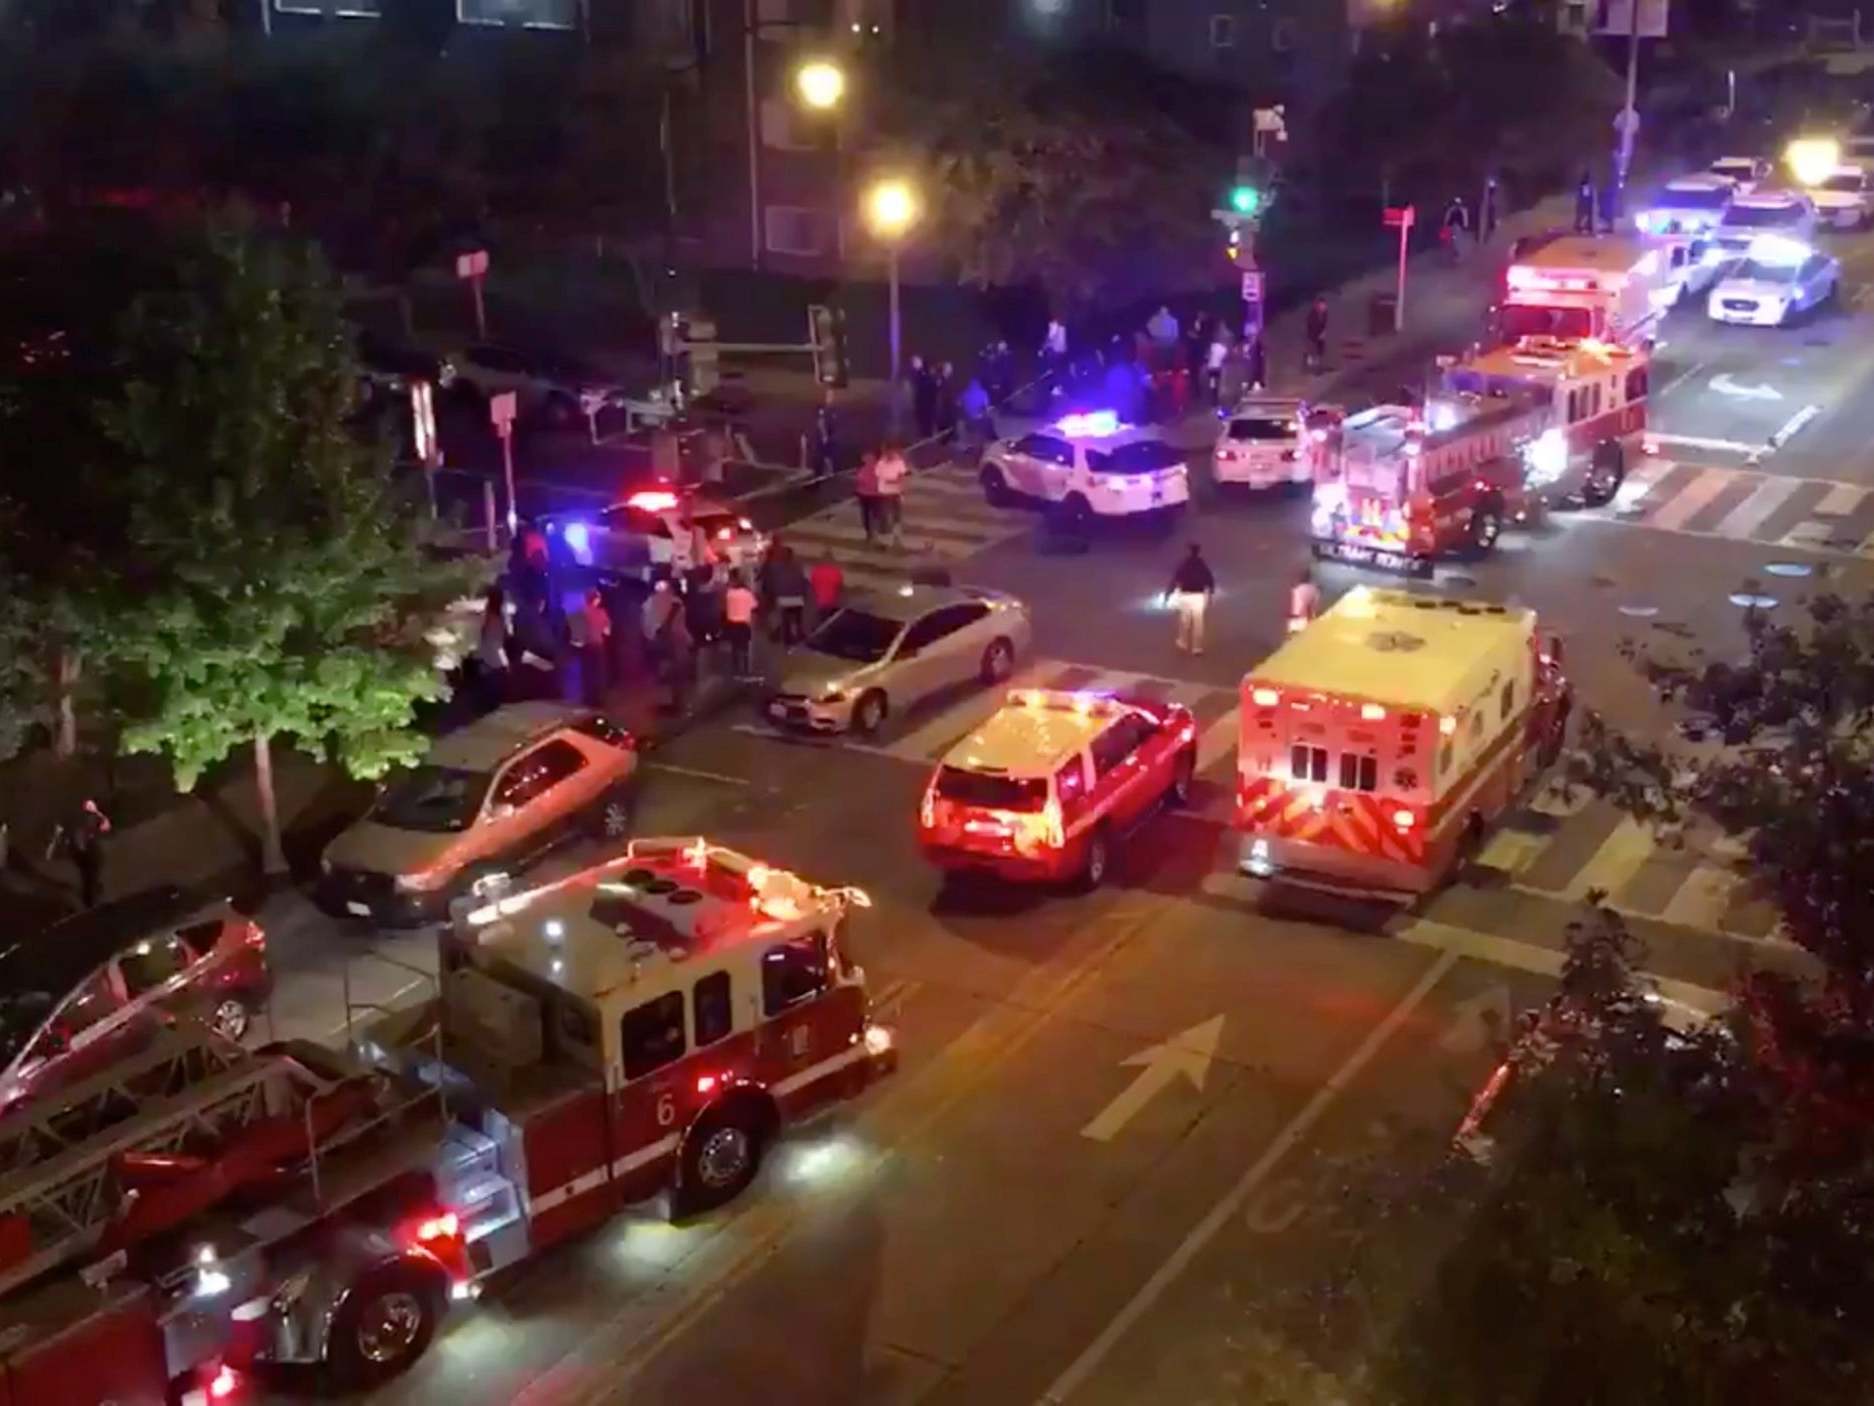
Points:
[(1235, 246), (1245, 199), (827, 328)]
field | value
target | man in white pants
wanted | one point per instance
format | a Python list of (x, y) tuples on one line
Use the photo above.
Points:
[(1190, 591)]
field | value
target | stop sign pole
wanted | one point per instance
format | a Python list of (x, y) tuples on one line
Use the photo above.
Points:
[(1401, 218), (501, 415)]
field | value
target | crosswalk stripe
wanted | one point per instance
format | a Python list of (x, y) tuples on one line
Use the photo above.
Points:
[(1703, 900), (1841, 500), (932, 740), (1638, 483), (1616, 861), (1677, 510), (1755, 510)]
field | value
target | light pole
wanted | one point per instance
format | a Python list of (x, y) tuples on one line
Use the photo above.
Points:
[(891, 208)]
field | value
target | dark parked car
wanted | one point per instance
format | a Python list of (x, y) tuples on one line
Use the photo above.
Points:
[(78, 995)]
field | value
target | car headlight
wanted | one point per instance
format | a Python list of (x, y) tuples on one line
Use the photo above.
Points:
[(833, 693), (421, 881)]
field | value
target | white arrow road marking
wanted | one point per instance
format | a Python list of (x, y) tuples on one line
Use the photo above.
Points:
[(1724, 385), (1478, 1021), (1185, 1056)]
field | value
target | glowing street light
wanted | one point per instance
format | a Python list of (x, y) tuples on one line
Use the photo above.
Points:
[(1812, 160), (891, 208), (820, 83)]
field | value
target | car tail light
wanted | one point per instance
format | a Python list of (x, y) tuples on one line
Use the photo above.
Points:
[(224, 1383), (1053, 832), (1265, 697), (927, 811), (1404, 819), (254, 935), (447, 1226)]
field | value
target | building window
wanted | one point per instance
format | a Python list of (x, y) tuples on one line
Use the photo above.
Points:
[(338, 9), (524, 14), (1223, 31), (797, 230), (1282, 35)]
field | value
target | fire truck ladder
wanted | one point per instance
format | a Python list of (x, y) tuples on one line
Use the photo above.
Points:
[(67, 1199)]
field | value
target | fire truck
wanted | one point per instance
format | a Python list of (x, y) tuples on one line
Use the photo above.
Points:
[(1379, 743), (197, 1212), (1611, 287)]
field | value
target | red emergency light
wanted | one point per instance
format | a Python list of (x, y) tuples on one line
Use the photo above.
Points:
[(652, 500)]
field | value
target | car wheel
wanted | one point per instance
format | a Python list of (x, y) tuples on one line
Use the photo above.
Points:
[(613, 815), (1486, 527), (383, 1325), (1605, 476), (230, 1018), (870, 712), (996, 488), (1094, 862), (721, 1155), (1076, 512), (998, 662), (1183, 772)]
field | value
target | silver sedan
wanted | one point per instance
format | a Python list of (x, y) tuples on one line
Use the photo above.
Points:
[(884, 654)]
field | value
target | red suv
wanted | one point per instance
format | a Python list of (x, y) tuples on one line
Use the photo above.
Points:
[(81, 993)]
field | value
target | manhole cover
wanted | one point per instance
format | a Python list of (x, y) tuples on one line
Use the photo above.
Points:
[(1639, 612), (1394, 642), (1750, 602), (1789, 568)]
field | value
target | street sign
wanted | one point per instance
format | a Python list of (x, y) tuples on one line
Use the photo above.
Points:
[(1252, 285), (423, 421), (1401, 216), (501, 412), (472, 265), (1619, 17)]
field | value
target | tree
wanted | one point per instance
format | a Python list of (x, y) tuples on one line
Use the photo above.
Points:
[(1071, 175), (1631, 1236), (277, 580)]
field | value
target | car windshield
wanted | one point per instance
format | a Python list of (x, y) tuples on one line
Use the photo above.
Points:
[(21, 1014), (1849, 181), (1757, 272), (978, 788), (1142, 456), (1694, 198), (1262, 429), (1735, 170), (855, 635), (436, 799), (1761, 216), (1532, 320)]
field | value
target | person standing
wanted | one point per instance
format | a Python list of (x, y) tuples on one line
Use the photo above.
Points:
[(902, 413), (1189, 593), (825, 441), (491, 659), (828, 583), (947, 400), (1315, 358), (681, 650), (1214, 356), (892, 471), (1304, 601), (787, 582), (1054, 348), (924, 397), (1162, 328), (1584, 203), (974, 406), (595, 663), (1487, 212), (84, 840), (738, 614), (1256, 360), (865, 489), (659, 607)]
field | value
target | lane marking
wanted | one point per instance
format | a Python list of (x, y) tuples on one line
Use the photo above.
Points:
[(1841, 500), (721, 778), (1688, 441), (1615, 863), (1794, 424), (1231, 1206), (1216, 741), (1680, 379)]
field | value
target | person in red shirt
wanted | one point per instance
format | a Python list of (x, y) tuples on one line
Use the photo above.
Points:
[(827, 583)]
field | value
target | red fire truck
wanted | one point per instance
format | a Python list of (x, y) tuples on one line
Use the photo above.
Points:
[(642, 1026), (1379, 742)]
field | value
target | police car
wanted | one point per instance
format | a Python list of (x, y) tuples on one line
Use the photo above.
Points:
[(1780, 278), (1788, 213), (1745, 173), (654, 534), (1261, 444), (1846, 199), (1090, 465), (1689, 205)]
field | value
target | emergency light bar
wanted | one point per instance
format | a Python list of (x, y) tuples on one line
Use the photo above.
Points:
[(1086, 704), (1092, 424), (652, 500)]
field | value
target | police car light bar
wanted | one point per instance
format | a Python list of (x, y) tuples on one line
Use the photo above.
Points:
[(652, 500), (1093, 424)]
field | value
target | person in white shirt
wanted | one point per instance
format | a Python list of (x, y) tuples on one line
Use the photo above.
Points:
[(1214, 358), (1304, 601), (891, 473)]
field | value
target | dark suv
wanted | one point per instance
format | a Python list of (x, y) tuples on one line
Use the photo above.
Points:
[(79, 994)]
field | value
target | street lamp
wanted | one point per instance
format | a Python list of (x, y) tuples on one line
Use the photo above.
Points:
[(891, 208), (820, 84)]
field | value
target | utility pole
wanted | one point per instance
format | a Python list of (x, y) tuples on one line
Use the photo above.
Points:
[(749, 22)]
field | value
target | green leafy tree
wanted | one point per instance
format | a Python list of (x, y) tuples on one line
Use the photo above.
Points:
[(1625, 1230), (278, 583)]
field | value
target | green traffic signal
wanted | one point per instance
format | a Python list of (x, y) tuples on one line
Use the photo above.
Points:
[(1245, 200)]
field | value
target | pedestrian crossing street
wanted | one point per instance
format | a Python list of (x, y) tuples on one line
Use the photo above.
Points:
[(1803, 514), (945, 521), (1556, 847)]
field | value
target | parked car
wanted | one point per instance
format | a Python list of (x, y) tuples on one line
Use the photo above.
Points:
[(1780, 280), (1846, 199), (493, 796), (80, 994), (547, 386), (863, 662), (1261, 444), (655, 533)]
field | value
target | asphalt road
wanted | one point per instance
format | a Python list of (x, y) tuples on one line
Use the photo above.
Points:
[(1009, 1219)]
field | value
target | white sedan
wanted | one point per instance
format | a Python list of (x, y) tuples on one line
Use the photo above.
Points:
[(1772, 287), (1088, 465)]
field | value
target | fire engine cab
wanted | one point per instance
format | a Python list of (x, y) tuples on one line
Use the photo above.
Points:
[(643, 1025), (1379, 743), (1596, 396), (1611, 287)]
